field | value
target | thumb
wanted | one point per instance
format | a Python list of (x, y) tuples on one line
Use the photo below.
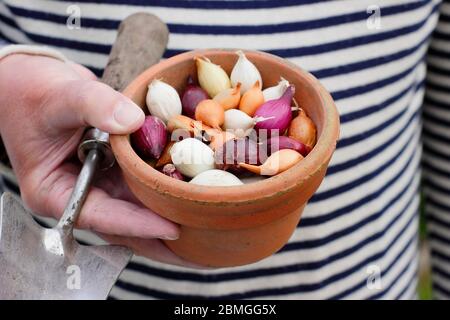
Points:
[(79, 103)]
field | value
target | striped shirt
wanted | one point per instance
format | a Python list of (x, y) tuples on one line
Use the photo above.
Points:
[(371, 55)]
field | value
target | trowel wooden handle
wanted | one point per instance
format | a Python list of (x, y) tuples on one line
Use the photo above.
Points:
[(140, 43)]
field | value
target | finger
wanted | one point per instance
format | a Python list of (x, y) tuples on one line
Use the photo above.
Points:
[(100, 212), (119, 217), (84, 72), (112, 182), (152, 249), (79, 103)]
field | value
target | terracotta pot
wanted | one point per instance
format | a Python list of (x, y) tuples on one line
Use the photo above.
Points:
[(231, 226)]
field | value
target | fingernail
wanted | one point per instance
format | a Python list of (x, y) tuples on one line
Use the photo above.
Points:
[(127, 115), (167, 237)]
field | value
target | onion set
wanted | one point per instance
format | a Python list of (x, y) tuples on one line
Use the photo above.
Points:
[(229, 98), (245, 72), (240, 123), (163, 100), (252, 100), (192, 96), (151, 138), (212, 78), (278, 162), (171, 171), (211, 113), (277, 143), (278, 112), (275, 92), (303, 129), (218, 178)]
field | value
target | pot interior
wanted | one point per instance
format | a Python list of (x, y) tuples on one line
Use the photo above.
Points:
[(270, 67)]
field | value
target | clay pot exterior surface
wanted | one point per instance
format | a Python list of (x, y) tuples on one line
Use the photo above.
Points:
[(238, 225)]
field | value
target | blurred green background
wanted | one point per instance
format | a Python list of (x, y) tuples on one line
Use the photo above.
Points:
[(424, 286)]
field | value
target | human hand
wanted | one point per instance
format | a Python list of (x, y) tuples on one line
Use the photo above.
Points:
[(45, 105)]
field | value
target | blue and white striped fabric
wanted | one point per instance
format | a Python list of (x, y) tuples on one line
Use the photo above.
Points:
[(364, 217), (436, 161)]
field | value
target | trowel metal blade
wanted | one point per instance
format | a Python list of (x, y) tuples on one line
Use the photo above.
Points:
[(35, 264)]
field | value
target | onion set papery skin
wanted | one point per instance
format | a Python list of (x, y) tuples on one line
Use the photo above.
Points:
[(192, 96), (278, 112), (245, 72), (212, 78)]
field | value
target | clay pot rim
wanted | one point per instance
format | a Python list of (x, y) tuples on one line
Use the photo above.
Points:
[(268, 188)]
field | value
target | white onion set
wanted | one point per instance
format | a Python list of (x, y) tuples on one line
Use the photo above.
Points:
[(163, 100), (218, 178), (275, 92), (245, 72), (239, 123), (212, 78), (191, 157)]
